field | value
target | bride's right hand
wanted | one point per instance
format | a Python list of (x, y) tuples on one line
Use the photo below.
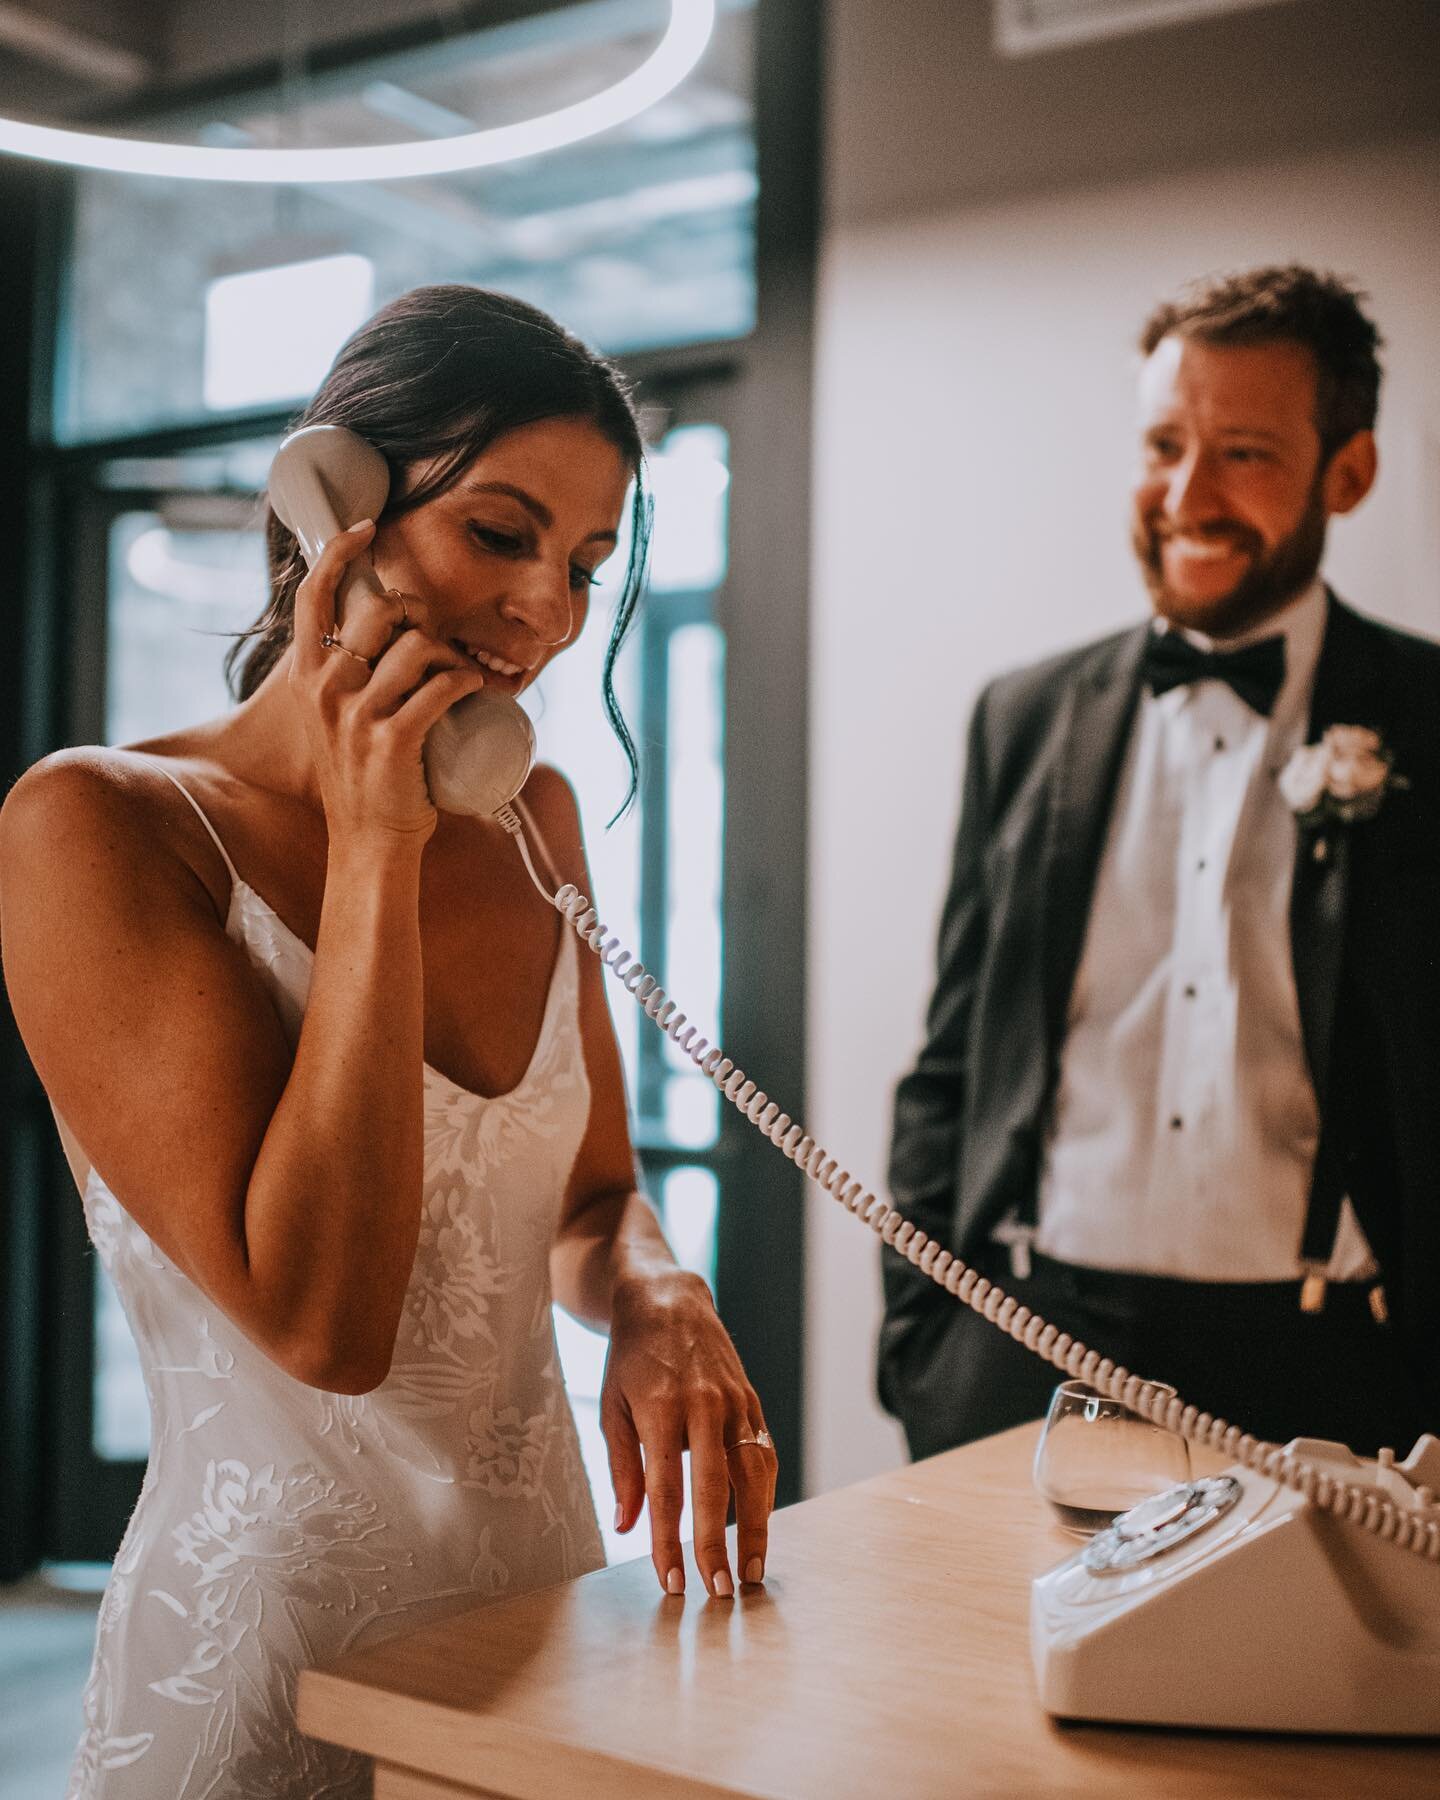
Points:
[(367, 706)]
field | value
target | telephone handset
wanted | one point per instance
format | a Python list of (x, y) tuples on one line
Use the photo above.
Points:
[(324, 479), (1198, 1566)]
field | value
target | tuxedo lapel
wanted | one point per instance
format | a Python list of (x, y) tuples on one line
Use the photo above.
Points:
[(1091, 735), (1347, 692)]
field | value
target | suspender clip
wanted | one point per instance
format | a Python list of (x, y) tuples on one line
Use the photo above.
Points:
[(1312, 1288), (1019, 1237)]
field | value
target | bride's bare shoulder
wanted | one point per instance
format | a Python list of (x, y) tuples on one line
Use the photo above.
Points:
[(112, 809), (84, 786)]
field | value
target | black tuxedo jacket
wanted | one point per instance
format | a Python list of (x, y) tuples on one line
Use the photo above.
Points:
[(1045, 751)]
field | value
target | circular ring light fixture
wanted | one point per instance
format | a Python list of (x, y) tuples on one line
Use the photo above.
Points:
[(686, 34)]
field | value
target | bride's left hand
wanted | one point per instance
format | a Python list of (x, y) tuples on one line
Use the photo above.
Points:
[(673, 1382)]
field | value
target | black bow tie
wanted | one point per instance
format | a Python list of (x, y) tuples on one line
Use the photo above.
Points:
[(1255, 672)]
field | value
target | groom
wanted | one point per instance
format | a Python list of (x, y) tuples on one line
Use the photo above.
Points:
[(1180, 1087)]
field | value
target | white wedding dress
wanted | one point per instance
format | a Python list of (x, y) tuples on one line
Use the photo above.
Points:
[(279, 1526)]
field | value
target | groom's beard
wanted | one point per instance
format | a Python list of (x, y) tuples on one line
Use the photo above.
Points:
[(1273, 579)]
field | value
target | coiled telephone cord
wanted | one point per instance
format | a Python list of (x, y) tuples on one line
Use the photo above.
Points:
[(1416, 1529)]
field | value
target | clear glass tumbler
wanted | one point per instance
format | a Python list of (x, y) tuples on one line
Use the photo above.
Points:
[(1097, 1459)]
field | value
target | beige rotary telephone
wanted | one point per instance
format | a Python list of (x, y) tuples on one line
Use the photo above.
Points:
[(1297, 1591)]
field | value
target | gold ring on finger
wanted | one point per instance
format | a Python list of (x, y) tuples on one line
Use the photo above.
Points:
[(329, 641), (395, 594), (762, 1440)]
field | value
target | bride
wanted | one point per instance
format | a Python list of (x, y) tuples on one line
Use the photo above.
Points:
[(344, 1102)]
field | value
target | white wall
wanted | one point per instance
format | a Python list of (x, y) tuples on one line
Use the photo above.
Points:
[(973, 447)]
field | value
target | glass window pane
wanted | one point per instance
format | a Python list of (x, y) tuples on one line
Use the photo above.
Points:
[(690, 1204), (271, 334), (120, 1414), (582, 1355), (692, 1110), (177, 591), (239, 468), (690, 478), (640, 237), (696, 781)]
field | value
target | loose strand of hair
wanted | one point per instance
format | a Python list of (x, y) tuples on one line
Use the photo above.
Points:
[(642, 512)]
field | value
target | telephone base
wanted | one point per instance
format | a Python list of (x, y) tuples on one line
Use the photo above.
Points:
[(1274, 1617)]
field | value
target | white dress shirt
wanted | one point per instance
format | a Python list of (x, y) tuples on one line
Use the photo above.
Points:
[(1183, 1132)]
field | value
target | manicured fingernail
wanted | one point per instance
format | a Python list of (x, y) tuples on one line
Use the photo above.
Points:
[(619, 1517), (754, 1569), (675, 1582), (363, 525), (724, 1586)]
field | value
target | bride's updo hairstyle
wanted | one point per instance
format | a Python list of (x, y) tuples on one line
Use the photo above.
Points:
[(437, 376)]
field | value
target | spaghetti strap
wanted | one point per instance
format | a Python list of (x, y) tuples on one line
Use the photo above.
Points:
[(527, 818), (175, 781)]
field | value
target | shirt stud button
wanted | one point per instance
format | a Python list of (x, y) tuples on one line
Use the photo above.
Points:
[(1190, 990), (1176, 1122)]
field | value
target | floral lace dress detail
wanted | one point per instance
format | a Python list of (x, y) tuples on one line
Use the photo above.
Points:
[(279, 1526)]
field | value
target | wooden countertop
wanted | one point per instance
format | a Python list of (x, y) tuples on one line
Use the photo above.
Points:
[(888, 1656)]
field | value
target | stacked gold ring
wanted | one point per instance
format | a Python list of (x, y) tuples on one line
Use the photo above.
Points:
[(329, 641)]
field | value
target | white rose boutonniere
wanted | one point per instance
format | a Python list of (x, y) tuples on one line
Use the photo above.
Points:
[(1341, 780)]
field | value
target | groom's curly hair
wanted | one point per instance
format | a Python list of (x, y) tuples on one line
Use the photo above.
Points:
[(1292, 304)]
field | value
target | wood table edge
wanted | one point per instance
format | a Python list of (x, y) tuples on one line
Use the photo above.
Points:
[(413, 1733)]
